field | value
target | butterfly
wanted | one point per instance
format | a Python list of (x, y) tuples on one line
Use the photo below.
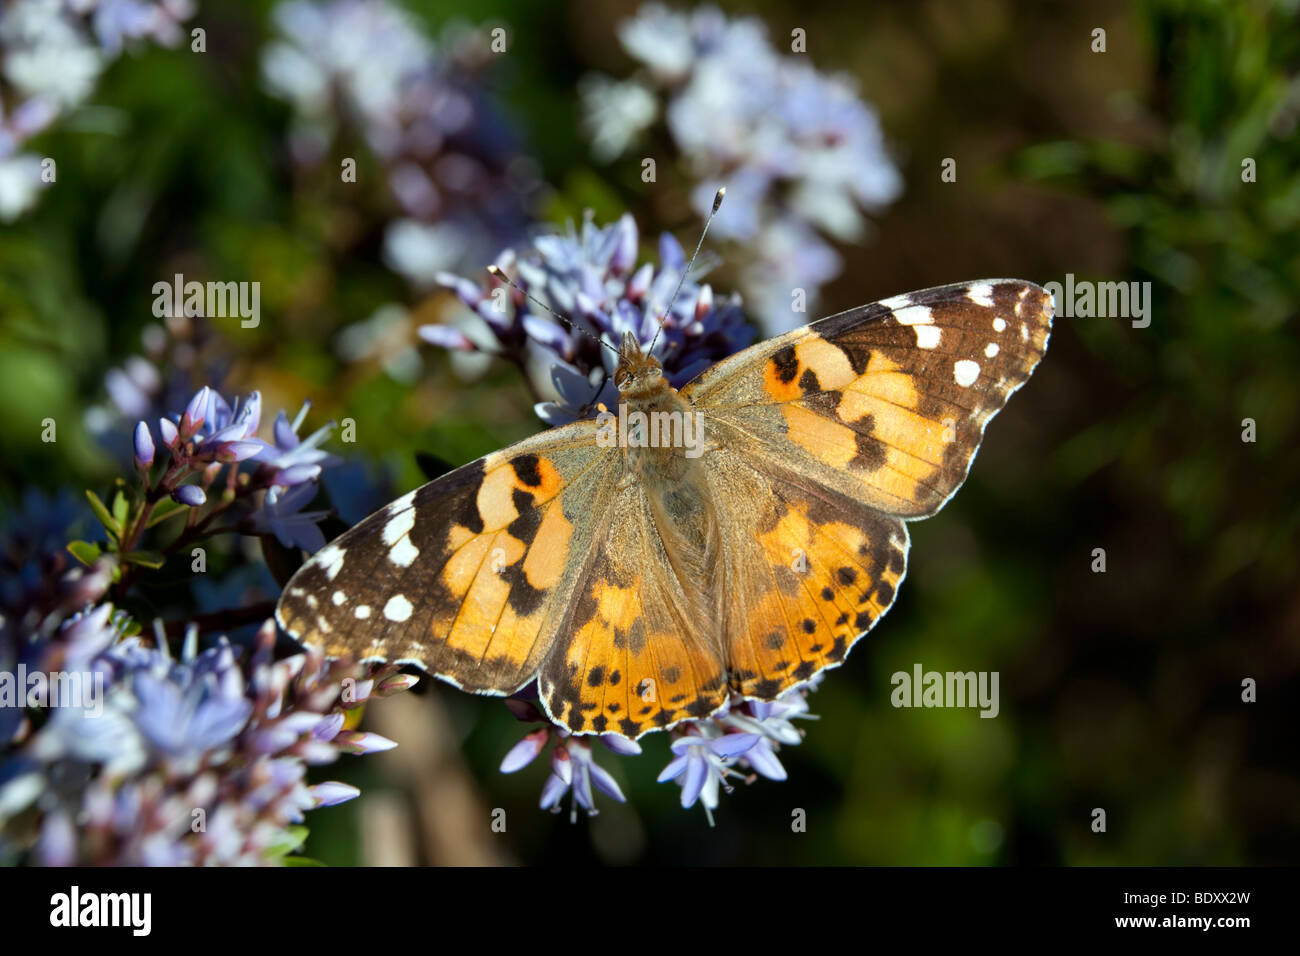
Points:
[(736, 537)]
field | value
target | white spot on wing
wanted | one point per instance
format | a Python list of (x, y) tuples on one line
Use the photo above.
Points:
[(338, 598), (914, 315), (361, 612), (965, 372), (398, 608), (981, 293), (991, 350), (896, 302), (403, 554), (999, 324), (330, 559), (1024, 332), (399, 526), (927, 336), (403, 503)]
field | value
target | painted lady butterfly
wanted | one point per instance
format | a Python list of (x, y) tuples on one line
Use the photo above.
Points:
[(642, 582)]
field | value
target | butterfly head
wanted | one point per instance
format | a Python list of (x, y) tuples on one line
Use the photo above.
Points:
[(638, 374)]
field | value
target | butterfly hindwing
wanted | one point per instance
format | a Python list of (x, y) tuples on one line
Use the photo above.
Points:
[(635, 653), (885, 403), (809, 571)]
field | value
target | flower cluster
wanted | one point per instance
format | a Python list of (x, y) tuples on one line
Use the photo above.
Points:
[(53, 52), (802, 157), (178, 356), (211, 461), (452, 164), (141, 758), (744, 735), (592, 278), (112, 749), (573, 766), (190, 461), (40, 582)]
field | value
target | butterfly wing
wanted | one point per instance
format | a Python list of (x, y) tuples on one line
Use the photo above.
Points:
[(824, 440), (821, 442), (635, 653), (885, 403), (536, 561), (808, 572), (467, 576)]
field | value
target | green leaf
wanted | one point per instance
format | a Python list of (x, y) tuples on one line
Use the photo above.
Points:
[(85, 551), (301, 861), (146, 559), (102, 513), (291, 839), (121, 509), (167, 508)]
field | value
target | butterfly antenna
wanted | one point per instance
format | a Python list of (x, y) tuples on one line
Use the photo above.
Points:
[(495, 271), (717, 201)]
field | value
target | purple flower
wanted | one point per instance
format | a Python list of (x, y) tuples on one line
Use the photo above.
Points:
[(184, 713), (746, 733), (296, 460), (743, 735), (191, 495), (526, 751), (143, 442), (196, 759), (53, 54), (223, 433), (353, 742), (332, 793), (210, 433), (800, 154), (703, 763), (592, 278), (86, 635), (120, 22), (452, 164), (131, 386), (573, 766), (167, 429), (281, 514)]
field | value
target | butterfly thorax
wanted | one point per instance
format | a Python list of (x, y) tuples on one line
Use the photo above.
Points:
[(662, 440), (660, 432)]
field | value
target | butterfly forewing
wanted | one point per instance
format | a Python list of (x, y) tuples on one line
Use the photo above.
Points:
[(463, 576), (885, 403)]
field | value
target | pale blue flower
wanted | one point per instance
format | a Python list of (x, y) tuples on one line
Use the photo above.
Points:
[(281, 514), (593, 278), (800, 153), (452, 163)]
